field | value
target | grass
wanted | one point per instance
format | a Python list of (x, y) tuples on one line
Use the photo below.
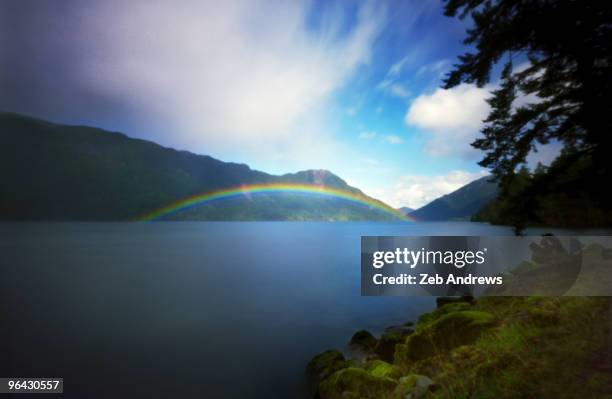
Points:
[(541, 348), (497, 347)]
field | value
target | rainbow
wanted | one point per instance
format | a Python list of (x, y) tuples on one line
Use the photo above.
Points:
[(246, 190)]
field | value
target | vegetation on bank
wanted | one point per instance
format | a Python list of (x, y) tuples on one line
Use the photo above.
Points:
[(557, 195), (493, 347)]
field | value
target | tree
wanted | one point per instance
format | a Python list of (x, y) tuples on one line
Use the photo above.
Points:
[(566, 49)]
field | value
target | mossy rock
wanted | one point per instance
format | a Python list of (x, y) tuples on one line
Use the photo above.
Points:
[(385, 347), (382, 369), (363, 340), (449, 331), (413, 386), (543, 316), (402, 330), (356, 383), (445, 300), (428, 318), (325, 364)]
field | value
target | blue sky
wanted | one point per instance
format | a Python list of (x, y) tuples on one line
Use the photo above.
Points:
[(349, 86)]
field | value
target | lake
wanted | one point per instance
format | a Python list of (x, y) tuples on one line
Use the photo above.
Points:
[(189, 309)]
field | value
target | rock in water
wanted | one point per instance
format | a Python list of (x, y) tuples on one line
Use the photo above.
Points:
[(392, 336), (325, 364), (363, 340)]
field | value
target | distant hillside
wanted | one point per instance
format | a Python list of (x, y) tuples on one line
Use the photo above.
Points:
[(58, 172), (405, 210), (460, 204)]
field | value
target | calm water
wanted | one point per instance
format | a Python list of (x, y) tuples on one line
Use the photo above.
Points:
[(190, 310)]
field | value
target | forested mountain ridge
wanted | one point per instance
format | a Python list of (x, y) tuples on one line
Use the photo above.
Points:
[(59, 172)]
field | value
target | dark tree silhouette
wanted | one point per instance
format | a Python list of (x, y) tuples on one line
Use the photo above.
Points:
[(567, 48)]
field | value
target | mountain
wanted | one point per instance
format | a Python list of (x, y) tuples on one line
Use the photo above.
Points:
[(460, 204), (58, 172), (405, 210)]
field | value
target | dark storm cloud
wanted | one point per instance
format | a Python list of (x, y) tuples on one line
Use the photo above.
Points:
[(188, 74), (42, 50)]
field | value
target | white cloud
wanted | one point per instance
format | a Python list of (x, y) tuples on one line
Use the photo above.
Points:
[(230, 73), (367, 135), (462, 107), (415, 191), (437, 68), (452, 117), (392, 139), (384, 84), (390, 85), (394, 89), (388, 138), (397, 67), (398, 90)]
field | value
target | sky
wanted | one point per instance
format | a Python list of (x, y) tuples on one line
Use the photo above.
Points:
[(348, 86)]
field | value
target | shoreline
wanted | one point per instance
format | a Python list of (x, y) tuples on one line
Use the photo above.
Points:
[(452, 351)]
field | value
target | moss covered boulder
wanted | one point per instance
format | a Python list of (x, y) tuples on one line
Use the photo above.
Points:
[(378, 380), (363, 341), (325, 364), (385, 347), (413, 386), (445, 300), (356, 383), (445, 333), (382, 369), (428, 318), (462, 351)]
